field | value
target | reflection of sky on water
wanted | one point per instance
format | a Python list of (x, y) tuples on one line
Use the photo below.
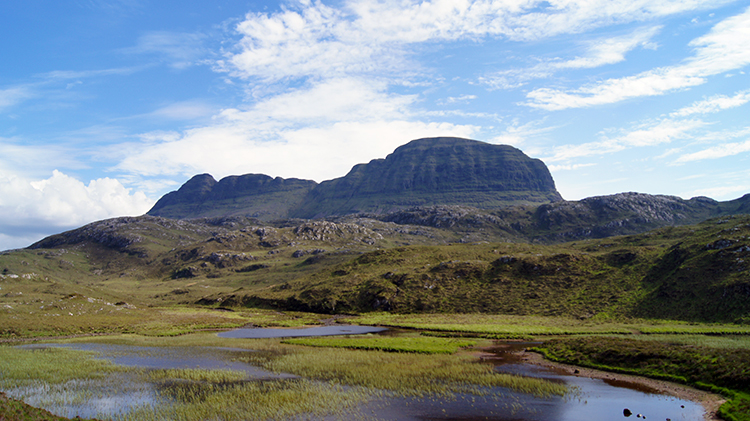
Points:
[(208, 358), (106, 398), (593, 399)]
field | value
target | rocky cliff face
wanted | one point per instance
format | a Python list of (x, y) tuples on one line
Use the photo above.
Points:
[(435, 171)]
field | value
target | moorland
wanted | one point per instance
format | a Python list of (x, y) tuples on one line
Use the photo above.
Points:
[(656, 286)]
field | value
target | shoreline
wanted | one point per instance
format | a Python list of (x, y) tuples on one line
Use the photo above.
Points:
[(709, 401)]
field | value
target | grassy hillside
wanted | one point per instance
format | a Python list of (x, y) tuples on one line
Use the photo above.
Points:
[(132, 267)]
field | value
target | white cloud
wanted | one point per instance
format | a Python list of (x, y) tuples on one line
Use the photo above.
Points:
[(597, 53), (60, 201), (184, 110), (652, 134), (457, 99), (714, 104), (723, 192), (715, 152), (722, 49), (364, 36), (317, 132)]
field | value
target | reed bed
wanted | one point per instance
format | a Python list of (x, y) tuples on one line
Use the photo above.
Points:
[(423, 345), (51, 366), (406, 374), (276, 400), (492, 325), (196, 375)]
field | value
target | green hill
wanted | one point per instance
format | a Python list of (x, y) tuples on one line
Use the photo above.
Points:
[(694, 272)]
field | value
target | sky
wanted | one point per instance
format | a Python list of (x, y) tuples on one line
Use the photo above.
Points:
[(106, 105)]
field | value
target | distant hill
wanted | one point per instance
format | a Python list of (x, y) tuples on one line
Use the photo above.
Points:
[(424, 172)]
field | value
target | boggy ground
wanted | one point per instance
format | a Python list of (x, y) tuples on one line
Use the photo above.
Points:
[(707, 340)]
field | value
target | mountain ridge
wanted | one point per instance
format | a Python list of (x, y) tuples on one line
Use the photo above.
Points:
[(423, 172)]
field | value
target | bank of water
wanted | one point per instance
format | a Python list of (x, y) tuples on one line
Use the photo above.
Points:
[(591, 399)]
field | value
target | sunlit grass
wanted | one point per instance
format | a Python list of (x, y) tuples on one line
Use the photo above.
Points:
[(425, 345), (275, 400), (492, 325), (500, 326), (50, 365), (403, 373), (709, 341), (197, 375)]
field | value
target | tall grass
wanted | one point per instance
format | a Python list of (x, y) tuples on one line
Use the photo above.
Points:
[(50, 365), (402, 373), (275, 400), (424, 345)]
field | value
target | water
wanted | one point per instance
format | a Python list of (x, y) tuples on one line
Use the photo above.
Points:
[(593, 399)]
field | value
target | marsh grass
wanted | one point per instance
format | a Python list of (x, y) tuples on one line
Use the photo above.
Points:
[(510, 326), (289, 399), (51, 366), (424, 345), (197, 375), (406, 374), (707, 341), (489, 324)]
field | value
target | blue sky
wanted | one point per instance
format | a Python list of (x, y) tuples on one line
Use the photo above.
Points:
[(106, 105)]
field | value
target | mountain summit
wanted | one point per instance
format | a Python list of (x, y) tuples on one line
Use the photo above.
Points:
[(424, 172), (435, 171)]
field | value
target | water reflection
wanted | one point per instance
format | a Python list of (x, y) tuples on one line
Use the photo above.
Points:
[(593, 399)]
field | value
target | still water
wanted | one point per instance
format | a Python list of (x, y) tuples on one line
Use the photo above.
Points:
[(593, 399)]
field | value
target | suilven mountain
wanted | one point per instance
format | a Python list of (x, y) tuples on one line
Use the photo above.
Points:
[(424, 172)]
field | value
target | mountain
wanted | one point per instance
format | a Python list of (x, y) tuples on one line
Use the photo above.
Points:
[(435, 171), (254, 195), (424, 172)]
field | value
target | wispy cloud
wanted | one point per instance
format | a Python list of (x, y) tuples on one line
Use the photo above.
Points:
[(715, 152), (179, 50), (364, 36), (14, 95), (649, 134), (722, 49), (571, 167), (714, 104), (340, 122), (597, 53)]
